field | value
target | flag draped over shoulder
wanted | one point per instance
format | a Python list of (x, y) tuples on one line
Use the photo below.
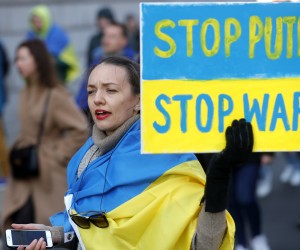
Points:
[(151, 201)]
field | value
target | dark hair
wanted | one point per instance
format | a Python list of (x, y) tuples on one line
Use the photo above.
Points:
[(44, 62), (132, 68), (106, 13), (122, 27)]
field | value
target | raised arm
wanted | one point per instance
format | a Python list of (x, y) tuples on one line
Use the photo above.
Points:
[(211, 225)]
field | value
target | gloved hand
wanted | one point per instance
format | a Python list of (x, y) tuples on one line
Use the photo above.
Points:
[(239, 145)]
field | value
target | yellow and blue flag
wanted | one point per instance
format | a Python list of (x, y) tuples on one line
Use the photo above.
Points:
[(151, 201)]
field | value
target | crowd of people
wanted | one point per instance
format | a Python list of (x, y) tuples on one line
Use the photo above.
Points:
[(97, 135)]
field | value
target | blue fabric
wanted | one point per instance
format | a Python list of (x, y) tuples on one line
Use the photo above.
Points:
[(98, 54), (293, 159), (116, 177), (244, 180), (243, 205), (56, 39)]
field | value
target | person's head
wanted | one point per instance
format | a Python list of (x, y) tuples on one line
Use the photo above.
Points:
[(40, 19), (114, 38), (131, 23), (35, 63), (104, 18), (113, 93)]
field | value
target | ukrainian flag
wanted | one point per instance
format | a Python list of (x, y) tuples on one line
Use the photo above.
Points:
[(151, 201)]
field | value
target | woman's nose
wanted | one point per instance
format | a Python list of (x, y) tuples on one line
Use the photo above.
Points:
[(99, 98)]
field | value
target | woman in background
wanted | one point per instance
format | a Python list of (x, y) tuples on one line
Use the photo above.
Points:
[(65, 130)]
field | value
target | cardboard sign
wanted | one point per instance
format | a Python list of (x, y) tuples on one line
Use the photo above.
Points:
[(205, 64)]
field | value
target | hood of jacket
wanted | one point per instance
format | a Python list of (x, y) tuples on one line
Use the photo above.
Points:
[(42, 12)]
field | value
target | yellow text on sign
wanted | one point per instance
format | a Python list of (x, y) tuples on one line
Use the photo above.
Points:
[(192, 116), (258, 31)]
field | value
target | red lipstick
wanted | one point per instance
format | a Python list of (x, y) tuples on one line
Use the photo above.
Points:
[(102, 114)]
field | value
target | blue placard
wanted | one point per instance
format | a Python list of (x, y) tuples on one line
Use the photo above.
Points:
[(225, 41)]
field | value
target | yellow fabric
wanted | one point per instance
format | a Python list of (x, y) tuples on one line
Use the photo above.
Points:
[(69, 57), (41, 11), (163, 217)]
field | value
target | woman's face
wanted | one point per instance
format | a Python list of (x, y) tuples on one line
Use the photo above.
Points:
[(25, 63), (110, 97)]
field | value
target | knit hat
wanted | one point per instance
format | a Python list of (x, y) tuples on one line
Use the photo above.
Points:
[(106, 13)]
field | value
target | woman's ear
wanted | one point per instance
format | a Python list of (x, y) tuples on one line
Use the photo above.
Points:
[(137, 107)]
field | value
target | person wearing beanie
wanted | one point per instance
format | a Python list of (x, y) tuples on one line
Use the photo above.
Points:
[(105, 17)]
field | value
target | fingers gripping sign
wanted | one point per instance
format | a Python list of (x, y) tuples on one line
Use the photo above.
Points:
[(239, 142), (239, 145)]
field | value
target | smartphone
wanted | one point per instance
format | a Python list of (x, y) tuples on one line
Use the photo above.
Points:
[(16, 237)]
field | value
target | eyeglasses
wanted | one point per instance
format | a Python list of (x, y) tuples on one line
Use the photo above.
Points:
[(98, 219)]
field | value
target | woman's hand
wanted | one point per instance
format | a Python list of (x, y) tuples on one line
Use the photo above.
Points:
[(30, 226), (35, 245), (239, 145), (39, 243)]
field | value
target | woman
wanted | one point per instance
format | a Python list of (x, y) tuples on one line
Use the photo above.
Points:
[(118, 198), (65, 130)]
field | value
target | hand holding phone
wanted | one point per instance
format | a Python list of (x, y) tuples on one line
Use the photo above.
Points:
[(36, 244), (28, 238)]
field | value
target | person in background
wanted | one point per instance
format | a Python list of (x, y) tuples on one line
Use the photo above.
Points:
[(291, 172), (265, 181), (105, 17), (119, 198), (65, 129), (114, 43), (57, 42), (133, 30), (243, 203), (4, 68)]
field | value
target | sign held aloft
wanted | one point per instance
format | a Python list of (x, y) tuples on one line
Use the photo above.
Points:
[(205, 64)]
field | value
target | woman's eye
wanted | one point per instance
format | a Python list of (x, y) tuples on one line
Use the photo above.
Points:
[(90, 92), (111, 90)]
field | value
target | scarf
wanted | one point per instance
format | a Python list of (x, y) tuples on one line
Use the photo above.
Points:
[(104, 143)]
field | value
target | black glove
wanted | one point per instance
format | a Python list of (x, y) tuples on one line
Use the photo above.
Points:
[(239, 144)]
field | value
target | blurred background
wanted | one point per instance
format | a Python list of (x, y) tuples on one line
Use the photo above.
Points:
[(78, 19), (278, 195)]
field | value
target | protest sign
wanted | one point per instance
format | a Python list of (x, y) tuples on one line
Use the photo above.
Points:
[(205, 64)]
